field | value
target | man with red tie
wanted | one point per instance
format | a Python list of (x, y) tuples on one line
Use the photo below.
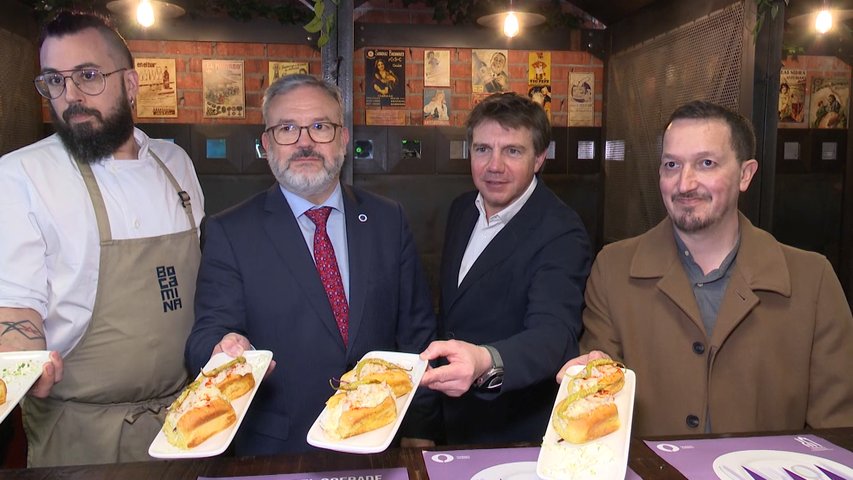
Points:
[(316, 271)]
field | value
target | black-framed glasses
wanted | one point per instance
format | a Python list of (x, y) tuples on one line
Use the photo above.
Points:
[(289, 133), (90, 81)]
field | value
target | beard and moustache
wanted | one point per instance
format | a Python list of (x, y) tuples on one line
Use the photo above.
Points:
[(306, 184), (688, 221), (85, 141)]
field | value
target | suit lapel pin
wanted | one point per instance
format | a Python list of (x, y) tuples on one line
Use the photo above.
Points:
[(362, 217)]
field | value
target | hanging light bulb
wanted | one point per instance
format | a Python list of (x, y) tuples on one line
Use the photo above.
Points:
[(145, 13), (511, 26), (823, 22)]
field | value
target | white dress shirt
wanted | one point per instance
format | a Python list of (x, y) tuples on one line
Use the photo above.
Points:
[(49, 246), (335, 227), (487, 228)]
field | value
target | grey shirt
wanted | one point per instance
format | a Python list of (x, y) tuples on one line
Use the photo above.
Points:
[(707, 289)]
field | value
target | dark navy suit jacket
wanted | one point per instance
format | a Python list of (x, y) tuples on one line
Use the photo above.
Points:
[(524, 296), (257, 278)]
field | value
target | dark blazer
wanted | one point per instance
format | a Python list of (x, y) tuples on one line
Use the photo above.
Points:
[(257, 278), (524, 296)]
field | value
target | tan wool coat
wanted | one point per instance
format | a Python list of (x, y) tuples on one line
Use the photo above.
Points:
[(781, 352)]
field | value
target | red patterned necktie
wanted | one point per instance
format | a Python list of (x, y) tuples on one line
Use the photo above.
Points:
[(327, 267)]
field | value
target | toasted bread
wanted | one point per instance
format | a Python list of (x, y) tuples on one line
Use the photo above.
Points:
[(363, 409), (200, 412)]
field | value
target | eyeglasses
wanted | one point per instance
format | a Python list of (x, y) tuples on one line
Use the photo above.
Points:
[(89, 80), (288, 133)]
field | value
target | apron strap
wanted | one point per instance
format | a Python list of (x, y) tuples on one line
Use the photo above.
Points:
[(104, 230)]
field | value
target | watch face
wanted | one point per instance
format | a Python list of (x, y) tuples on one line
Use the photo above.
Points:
[(494, 382)]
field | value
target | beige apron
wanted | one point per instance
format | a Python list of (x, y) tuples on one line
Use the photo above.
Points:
[(129, 365)]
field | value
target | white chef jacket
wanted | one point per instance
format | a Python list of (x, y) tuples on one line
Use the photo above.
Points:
[(49, 244)]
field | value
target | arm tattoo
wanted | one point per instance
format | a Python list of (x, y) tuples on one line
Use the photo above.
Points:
[(23, 327)]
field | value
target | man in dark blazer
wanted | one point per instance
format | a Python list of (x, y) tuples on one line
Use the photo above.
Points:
[(513, 271), (258, 286)]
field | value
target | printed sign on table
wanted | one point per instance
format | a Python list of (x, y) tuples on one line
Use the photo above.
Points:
[(758, 458), (488, 464), (380, 474)]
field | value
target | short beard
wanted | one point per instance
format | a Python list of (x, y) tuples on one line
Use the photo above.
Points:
[(85, 141), (302, 184), (688, 222)]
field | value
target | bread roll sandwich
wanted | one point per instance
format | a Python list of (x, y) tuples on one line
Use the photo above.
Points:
[(204, 408), (358, 408), (233, 378), (589, 411), (376, 370), (2, 392), (199, 412)]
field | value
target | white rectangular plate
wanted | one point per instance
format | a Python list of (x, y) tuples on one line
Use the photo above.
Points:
[(379, 439), (259, 360), (20, 370), (605, 457)]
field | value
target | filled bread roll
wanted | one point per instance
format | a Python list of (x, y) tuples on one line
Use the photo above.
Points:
[(376, 370), (234, 378), (200, 412), (2, 391), (585, 419), (366, 407), (589, 411)]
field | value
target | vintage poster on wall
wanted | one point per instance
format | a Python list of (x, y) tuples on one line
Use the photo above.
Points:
[(436, 111), (542, 95), (792, 97), (489, 71), (157, 88), (223, 89), (280, 69), (830, 102), (437, 68), (539, 68), (385, 77), (581, 99)]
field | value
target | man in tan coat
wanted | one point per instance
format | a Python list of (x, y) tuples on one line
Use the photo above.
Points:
[(727, 329)]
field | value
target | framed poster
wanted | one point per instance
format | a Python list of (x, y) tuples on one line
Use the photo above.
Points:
[(830, 102), (437, 68), (280, 69), (539, 68), (581, 99), (436, 110), (157, 88), (792, 97), (385, 77), (489, 71), (541, 94), (223, 89)]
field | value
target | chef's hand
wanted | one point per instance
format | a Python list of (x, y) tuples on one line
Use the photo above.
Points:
[(466, 363), (51, 374), (580, 360), (234, 345)]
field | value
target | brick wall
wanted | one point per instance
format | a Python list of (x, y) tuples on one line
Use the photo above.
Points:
[(188, 57), (461, 101)]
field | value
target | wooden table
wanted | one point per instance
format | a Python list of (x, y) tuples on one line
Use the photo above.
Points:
[(642, 460)]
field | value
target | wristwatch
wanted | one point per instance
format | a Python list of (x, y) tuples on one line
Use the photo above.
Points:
[(494, 377)]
